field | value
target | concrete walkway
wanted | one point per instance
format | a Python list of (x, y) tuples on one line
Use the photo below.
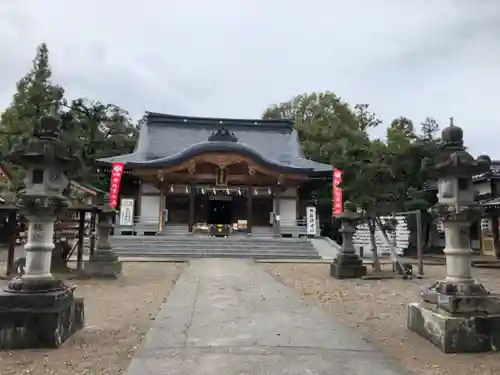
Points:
[(230, 317)]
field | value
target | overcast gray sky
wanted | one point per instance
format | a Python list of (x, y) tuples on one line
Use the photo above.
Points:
[(230, 58)]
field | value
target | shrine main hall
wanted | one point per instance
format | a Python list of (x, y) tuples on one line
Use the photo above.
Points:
[(200, 172)]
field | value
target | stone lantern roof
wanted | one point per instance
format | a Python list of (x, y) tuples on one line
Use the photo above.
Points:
[(454, 160), (44, 149)]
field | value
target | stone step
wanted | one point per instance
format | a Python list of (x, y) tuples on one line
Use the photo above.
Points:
[(234, 238), (194, 246), (210, 244), (190, 249), (210, 240), (221, 254), (200, 250)]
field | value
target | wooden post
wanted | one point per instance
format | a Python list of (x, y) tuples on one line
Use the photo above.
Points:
[(494, 232), (161, 210), (420, 250), (191, 207), (93, 219), (277, 204), (12, 243), (81, 234), (249, 208), (494, 222)]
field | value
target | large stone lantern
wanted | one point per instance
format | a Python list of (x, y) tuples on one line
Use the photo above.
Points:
[(348, 264), (37, 310), (457, 314), (104, 262)]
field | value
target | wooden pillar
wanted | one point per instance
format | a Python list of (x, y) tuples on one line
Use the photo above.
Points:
[(249, 208), (93, 232), (12, 242), (494, 222), (191, 207), (161, 209), (81, 234), (137, 212), (495, 233), (277, 204)]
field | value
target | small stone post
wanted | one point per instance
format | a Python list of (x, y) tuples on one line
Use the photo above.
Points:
[(457, 314), (104, 262), (347, 264), (37, 310)]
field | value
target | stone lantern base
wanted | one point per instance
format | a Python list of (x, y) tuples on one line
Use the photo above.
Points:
[(466, 321), (103, 264), (347, 266), (39, 319)]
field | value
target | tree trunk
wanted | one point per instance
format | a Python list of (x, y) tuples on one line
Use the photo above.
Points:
[(376, 260)]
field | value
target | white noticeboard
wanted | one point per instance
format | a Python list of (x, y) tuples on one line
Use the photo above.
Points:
[(127, 212), (311, 221)]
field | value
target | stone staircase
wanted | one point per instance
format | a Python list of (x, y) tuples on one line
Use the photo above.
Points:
[(175, 230), (199, 246)]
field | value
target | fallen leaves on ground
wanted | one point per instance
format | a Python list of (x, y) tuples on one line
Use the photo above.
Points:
[(377, 309), (118, 313)]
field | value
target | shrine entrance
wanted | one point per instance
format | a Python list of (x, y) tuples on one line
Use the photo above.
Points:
[(212, 189), (220, 210)]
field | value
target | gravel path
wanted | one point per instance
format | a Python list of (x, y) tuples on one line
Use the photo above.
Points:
[(118, 314), (377, 309)]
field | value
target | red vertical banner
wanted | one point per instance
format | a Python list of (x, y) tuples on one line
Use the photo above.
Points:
[(116, 177), (337, 192)]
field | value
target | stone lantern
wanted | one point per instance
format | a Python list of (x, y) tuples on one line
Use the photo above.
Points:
[(457, 314), (37, 310), (348, 264), (104, 262)]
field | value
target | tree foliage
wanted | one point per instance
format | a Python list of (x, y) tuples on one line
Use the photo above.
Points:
[(91, 129), (379, 176)]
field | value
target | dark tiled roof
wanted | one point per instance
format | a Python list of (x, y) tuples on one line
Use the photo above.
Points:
[(493, 173), (167, 139)]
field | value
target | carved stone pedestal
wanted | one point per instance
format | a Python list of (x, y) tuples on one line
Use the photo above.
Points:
[(39, 320), (103, 264), (347, 266), (457, 318), (452, 333)]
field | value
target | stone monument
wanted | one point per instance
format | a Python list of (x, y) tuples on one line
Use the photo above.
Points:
[(348, 264), (104, 262), (37, 310), (457, 314)]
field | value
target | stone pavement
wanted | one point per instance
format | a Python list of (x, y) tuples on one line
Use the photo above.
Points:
[(230, 317)]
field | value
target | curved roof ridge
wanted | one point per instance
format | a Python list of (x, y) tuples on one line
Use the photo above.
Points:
[(216, 146), (154, 118)]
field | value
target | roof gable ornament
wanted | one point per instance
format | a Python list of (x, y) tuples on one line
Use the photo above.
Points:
[(222, 135)]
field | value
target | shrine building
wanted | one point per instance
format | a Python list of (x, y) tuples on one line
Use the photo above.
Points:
[(201, 172)]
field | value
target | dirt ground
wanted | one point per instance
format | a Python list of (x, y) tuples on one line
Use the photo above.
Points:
[(118, 313), (377, 310)]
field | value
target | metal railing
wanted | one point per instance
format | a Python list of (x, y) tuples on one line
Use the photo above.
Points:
[(144, 224), (293, 228), (140, 225)]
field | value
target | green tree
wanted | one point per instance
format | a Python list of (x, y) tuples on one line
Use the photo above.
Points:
[(35, 96), (332, 131), (404, 126), (94, 130), (429, 129), (325, 124)]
